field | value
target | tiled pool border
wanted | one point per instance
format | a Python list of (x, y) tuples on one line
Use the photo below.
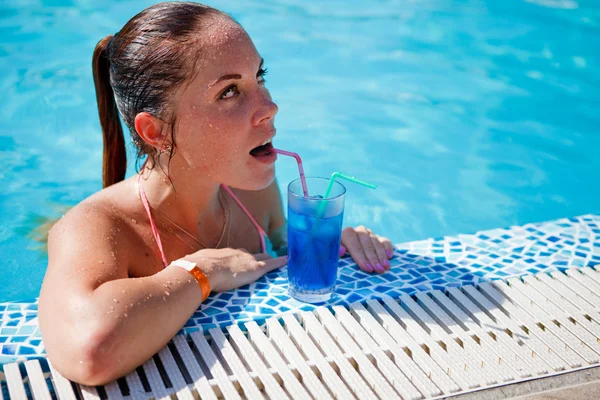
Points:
[(424, 265)]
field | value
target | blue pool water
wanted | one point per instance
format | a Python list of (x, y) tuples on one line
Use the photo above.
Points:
[(469, 115)]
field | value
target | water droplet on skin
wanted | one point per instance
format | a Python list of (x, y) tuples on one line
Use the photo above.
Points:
[(167, 293), (115, 300), (134, 221), (125, 315)]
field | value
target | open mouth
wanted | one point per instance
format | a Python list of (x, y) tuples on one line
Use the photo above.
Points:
[(263, 150)]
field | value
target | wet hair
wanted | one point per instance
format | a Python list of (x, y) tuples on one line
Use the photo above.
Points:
[(138, 69)]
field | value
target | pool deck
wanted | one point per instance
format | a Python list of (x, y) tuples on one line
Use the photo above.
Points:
[(432, 264)]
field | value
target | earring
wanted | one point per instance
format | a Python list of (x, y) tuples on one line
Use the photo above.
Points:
[(166, 149)]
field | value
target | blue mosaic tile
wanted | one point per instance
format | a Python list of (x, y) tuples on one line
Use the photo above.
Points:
[(423, 265)]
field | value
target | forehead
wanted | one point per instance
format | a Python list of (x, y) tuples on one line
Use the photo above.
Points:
[(225, 44)]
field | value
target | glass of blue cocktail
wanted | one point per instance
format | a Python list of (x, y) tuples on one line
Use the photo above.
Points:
[(314, 235)]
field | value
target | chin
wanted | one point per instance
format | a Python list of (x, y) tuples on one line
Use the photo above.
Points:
[(258, 180)]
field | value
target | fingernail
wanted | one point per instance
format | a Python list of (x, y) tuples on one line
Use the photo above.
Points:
[(379, 268), (389, 253), (385, 262), (342, 251), (369, 267), (286, 258)]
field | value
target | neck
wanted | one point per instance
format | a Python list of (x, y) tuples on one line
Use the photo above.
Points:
[(191, 202)]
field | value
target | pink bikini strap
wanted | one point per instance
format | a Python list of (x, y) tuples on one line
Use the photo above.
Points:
[(260, 230), (154, 230)]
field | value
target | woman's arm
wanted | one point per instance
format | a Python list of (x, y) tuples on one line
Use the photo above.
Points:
[(97, 323)]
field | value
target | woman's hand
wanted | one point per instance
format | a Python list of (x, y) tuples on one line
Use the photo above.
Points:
[(228, 269), (370, 252)]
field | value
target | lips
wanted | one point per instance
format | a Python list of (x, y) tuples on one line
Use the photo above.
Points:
[(264, 153), (263, 150)]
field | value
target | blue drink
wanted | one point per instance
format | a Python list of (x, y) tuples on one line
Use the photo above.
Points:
[(314, 234)]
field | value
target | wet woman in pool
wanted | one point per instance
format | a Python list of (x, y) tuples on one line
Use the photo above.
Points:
[(129, 265)]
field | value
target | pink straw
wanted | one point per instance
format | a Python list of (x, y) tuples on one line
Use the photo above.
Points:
[(300, 168)]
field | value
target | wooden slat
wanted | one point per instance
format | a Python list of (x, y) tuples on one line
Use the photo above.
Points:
[(266, 349), (538, 347), (328, 374), (238, 369), (490, 360), (590, 296), (89, 392), (584, 280), (216, 369), (507, 357), (380, 339), (398, 380), (533, 364), (289, 350), (271, 385), (574, 321), (566, 294), (193, 367), (113, 391), (437, 369), (159, 390), (315, 330), (454, 367), (37, 382), (136, 389), (373, 376), (175, 376), (14, 381), (472, 362), (63, 387), (555, 337)]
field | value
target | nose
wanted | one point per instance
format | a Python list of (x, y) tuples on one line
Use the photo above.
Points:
[(266, 111)]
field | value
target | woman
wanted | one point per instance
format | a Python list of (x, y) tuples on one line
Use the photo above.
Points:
[(129, 265)]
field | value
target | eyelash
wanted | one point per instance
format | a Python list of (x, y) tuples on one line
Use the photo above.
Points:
[(260, 75)]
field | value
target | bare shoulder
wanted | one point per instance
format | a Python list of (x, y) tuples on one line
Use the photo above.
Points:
[(89, 244)]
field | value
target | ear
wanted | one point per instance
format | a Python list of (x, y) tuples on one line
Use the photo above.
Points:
[(150, 130)]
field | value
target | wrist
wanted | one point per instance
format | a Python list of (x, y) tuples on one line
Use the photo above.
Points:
[(199, 275)]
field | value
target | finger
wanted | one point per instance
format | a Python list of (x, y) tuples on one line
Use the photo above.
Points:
[(270, 264), (262, 256), (387, 245), (356, 251), (380, 251), (369, 249)]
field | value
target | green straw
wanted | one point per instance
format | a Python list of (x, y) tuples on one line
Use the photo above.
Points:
[(334, 176)]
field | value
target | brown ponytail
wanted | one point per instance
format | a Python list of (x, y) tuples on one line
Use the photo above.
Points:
[(148, 59), (114, 160)]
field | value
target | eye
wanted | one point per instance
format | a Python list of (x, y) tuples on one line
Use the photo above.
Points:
[(261, 75), (229, 93)]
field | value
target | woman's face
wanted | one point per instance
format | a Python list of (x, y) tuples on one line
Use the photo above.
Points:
[(226, 112)]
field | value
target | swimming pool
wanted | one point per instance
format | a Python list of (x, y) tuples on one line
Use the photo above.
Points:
[(470, 115)]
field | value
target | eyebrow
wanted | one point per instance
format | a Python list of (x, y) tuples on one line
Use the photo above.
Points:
[(229, 77)]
